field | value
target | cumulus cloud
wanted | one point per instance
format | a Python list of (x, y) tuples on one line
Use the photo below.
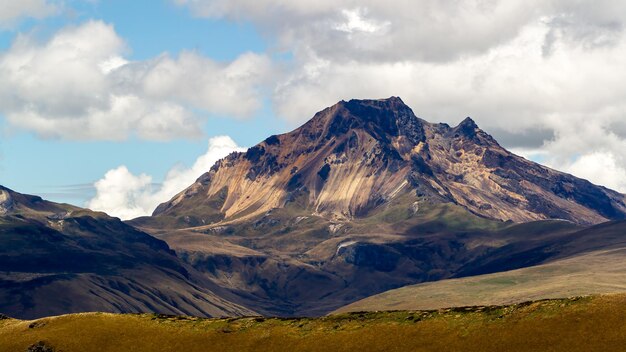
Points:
[(409, 30), (126, 195), (12, 11), (120, 193), (78, 85), (512, 86), (203, 83), (602, 167)]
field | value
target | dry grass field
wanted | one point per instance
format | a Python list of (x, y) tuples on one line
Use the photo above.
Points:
[(577, 324)]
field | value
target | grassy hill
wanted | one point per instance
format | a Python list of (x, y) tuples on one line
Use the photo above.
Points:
[(575, 324)]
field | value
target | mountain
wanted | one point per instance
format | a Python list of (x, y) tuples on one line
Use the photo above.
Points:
[(58, 259), (366, 197), (358, 156)]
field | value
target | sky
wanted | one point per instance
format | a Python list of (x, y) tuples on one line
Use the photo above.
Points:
[(118, 105)]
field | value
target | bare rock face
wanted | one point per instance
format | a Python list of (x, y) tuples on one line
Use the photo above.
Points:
[(6, 202), (360, 155)]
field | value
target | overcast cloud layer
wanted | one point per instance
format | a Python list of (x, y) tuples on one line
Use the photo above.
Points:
[(545, 76), (517, 67)]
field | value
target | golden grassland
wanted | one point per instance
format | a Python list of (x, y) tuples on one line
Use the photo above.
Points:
[(577, 324)]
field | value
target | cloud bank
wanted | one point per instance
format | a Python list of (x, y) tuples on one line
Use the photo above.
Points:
[(517, 67), (78, 85), (126, 195)]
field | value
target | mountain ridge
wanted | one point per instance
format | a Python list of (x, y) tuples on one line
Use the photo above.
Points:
[(58, 259), (356, 155)]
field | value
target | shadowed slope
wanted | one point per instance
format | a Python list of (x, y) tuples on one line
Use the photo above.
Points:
[(57, 259), (592, 261)]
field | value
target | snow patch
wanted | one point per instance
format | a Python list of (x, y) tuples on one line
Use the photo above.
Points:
[(345, 244)]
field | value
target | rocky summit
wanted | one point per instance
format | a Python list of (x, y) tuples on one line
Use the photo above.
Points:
[(358, 156)]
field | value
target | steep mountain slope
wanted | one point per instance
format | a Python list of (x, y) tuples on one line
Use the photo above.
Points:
[(366, 197), (58, 259), (356, 156)]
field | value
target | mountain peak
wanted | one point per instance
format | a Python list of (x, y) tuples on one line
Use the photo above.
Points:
[(468, 122), (470, 130), (467, 127), (358, 155), (391, 103), (383, 119)]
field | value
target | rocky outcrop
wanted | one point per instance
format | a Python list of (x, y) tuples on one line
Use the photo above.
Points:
[(41, 346), (6, 202)]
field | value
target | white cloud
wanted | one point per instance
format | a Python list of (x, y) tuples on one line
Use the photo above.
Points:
[(430, 30), (203, 83), (122, 194), (356, 21), (602, 168), (125, 195), (12, 11), (78, 85)]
